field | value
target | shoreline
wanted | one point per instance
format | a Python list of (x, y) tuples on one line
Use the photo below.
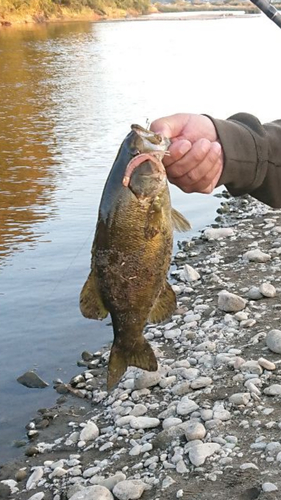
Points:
[(208, 422)]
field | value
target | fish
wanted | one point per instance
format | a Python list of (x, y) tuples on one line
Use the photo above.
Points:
[(132, 250)]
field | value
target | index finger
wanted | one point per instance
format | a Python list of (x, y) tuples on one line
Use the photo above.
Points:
[(170, 126)]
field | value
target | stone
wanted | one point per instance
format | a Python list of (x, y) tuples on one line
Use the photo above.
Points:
[(139, 410), (37, 496), (230, 302), (273, 341), (216, 233), (89, 432), (34, 479), (144, 379), (129, 489), (256, 256), (273, 390), (267, 290), (266, 364), (200, 383), (254, 293), (171, 422), (240, 398), (194, 430), (200, 452), (251, 366), (21, 474), (186, 406), (248, 465), (144, 422), (188, 273), (96, 492), (267, 487), (31, 380)]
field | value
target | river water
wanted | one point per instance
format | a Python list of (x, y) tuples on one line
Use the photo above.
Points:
[(69, 93)]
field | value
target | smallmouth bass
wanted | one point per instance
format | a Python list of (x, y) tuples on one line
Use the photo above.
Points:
[(132, 250)]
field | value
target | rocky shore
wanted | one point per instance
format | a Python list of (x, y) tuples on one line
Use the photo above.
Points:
[(207, 424)]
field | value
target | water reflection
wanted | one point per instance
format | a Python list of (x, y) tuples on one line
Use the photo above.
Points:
[(29, 155)]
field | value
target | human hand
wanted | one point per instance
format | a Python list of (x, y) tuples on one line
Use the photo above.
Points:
[(195, 162)]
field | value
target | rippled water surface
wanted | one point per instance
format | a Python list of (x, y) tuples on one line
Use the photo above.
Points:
[(68, 95)]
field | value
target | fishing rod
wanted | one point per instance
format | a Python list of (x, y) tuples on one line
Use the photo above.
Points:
[(269, 10)]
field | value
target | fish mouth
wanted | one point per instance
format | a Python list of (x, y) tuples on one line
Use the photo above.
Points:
[(153, 158), (151, 142)]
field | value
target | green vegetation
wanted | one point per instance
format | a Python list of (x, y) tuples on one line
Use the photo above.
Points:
[(43, 10), (197, 5)]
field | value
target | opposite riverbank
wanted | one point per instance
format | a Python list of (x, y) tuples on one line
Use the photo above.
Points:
[(207, 423)]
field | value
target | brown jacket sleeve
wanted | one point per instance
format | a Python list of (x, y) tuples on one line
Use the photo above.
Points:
[(252, 157)]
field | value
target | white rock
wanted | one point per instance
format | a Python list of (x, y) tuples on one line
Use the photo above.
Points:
[(194, 430), (188, 273), (96, 492), (248, 465), (110, 481), (144, 422), (266, 364), (170, 422), (201, 382), (139, 410), (186, 406), (172, 334), (254, 293), (37, 496), (273, 390), (129, 489), (251, 366), (34, 479), (256, 256), (199, 453), (230, 302), (89, 432), (267, 290), (240, 398), (267, 487), (273, 341), (144, 379), (167, 482), (216, 233), (12, 485)]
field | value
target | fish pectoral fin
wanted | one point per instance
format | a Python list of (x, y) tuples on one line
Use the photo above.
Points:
[(91, 304), (141, 355), (180, 223), (164, 305)]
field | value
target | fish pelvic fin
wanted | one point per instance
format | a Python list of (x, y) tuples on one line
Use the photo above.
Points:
[(164, 305), (141, 355), (180, 223), (91, 304)]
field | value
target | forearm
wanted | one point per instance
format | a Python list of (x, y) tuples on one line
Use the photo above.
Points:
[(252, 157)]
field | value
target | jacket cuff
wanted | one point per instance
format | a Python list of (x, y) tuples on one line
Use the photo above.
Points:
[(241, 156)]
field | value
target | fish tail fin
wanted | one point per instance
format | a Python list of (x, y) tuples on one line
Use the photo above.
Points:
[(140, 355)]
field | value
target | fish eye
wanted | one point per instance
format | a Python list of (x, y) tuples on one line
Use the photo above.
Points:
[(135, 152)]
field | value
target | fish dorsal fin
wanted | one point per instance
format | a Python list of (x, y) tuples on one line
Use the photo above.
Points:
[(180, 223), (91, 304), (140, 355), (164, 305)]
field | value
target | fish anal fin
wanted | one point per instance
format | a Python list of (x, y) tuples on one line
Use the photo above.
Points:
[(164, 305), (180, 223), (140, 355), (91, 304)]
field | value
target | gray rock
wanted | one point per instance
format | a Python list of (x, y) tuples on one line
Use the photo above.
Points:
[(240, 398), (216, 233), (32, 380), (89, 432), (129, 489), (267, 487), (186, 406), (254, 293), (256, 256), (144, 422), (230, 302), (267, 290), (92, 492), (199, 453), (266, 364), (273, 390), (273, 341), (188, 273), (200, 383), (194, 430), (144, 379), (37, 496)]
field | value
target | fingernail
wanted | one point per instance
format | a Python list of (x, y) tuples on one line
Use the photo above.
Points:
[(217, 147)]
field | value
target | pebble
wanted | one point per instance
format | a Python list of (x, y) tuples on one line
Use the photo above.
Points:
[(34, 479), (273, 341), (186, 406), (216, 233), (256, 256), (267, 290), (194, 430), (240, 398), (266, 364), (254, 293), (200, 452), (144, 422), (252, 367), (144, 379), (273, 390), (171, 422), (129, 489), (230, 302), (188, 273), (267, 487), (200, 382), (37, 496), (89, 432), (96, 492)]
